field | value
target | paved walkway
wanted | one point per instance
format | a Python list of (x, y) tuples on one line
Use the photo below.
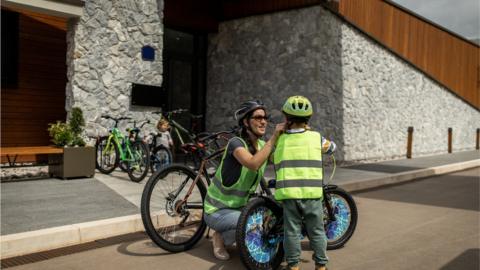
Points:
[(108, 205)]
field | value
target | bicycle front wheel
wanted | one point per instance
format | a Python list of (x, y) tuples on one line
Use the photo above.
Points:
[(344, 209), (160, 157), (259, 234), (172, 223), (107, 155), (138, 166)]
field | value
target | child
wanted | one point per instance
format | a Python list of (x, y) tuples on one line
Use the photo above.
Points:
[(164, 137), (298, 167)]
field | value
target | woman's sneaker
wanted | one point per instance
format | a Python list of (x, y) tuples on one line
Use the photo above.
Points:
[(219, 250)]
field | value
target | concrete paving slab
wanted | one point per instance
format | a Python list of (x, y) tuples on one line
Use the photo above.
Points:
[(47, 203)]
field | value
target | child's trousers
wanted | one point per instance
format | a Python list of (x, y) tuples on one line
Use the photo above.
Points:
[(311, 211)]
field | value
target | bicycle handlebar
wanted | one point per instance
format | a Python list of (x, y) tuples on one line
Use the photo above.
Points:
[(115, 119), (141, 126), (216, 135)]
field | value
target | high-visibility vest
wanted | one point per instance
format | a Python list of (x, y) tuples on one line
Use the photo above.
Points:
[(236, 196), (298, 166)]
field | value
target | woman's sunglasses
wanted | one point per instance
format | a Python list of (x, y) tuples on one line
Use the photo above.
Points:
[(260, 118)]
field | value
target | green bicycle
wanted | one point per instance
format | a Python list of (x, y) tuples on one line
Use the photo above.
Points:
[(116, 149)]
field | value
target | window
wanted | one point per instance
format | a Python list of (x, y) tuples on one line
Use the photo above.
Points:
[(9, 48), (148, 95)]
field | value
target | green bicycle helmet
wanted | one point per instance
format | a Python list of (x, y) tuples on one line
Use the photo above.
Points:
[(298, 106)]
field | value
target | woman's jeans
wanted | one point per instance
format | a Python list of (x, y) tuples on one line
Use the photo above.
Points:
[(224, 221)]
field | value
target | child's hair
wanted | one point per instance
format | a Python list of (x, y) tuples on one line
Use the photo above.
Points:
[(161, 122), (296, 120)]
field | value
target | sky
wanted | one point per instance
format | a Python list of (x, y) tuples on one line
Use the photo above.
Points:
[(459, 16)]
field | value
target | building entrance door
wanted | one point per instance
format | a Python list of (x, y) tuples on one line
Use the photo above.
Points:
[(184, 75)]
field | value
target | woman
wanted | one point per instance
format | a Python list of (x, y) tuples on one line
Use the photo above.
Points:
[(242, 167)]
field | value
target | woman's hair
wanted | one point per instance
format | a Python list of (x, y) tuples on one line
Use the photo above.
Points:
[(244, 134)]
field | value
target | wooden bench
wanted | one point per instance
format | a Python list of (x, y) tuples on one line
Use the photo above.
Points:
[(28, 153)]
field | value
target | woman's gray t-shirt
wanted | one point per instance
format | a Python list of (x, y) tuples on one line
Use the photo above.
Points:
[(231, 167)]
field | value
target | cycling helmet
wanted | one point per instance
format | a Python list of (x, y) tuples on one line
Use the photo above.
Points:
[(246, 108), (298, 106)]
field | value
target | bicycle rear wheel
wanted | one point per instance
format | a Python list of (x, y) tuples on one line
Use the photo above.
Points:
[(138, 166), (172, 224), (343, 206), (160, 157), (259, 234), (107, 155)]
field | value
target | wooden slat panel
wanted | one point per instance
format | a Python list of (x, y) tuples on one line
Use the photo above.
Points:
[(55, 22), (39, 97), (28, 154), (30, 150), (442, 55)]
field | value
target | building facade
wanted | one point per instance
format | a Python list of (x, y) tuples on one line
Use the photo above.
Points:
[(365, 95)]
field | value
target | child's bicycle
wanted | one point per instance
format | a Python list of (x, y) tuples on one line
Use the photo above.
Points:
[(160, 156), (117, 150), (259, 235)]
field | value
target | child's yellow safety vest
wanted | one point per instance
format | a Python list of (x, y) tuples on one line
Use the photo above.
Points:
[(298, 166)]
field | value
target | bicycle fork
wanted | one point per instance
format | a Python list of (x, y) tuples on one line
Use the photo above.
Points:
[(326, 200)]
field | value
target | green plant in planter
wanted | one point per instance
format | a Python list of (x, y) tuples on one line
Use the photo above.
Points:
[(76, 126), (61, 134), (74, 161), (68, 133)]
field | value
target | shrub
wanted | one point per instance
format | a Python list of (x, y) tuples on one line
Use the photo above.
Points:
[(61, 134), (76, 121)]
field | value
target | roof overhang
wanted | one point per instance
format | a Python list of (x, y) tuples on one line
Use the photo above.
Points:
[(60, 8)]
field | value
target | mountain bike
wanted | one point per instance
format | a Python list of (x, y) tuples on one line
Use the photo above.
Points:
[(190, 142), (259, 235), (172, 200), (114, 149)]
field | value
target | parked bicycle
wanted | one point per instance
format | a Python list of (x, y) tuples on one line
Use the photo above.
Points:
[(193, 145), (172, 200), (116, 149), (172, 213), (160, 156)]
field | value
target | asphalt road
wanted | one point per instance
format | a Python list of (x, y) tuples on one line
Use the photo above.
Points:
[(428, 224)]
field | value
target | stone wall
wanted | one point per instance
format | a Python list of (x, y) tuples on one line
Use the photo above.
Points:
[(364, 97), (272, 57), (104, 58), (384, 95)]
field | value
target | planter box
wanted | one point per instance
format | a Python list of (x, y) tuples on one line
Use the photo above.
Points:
[(74, 162)]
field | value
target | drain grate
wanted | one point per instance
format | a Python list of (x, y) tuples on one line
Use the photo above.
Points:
[(45, 255)]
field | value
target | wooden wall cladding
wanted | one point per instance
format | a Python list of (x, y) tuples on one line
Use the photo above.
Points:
[(39, 95), (448, 59)]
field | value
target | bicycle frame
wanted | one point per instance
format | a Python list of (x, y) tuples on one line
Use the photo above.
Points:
[(201, 172), (119, 140), (177, 127)]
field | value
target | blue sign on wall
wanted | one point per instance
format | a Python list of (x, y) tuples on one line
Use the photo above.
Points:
[(148, 53)]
